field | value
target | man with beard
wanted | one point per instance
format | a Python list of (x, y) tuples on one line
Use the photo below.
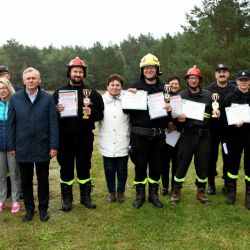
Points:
[(218, 127), (76, 136), (194, 140)]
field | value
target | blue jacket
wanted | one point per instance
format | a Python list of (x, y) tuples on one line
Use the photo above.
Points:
[(32, 127), (3, 122)]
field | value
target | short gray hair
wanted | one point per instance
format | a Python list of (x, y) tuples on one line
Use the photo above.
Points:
[(30, 69)]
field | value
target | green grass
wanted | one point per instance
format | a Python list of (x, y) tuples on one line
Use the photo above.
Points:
[(188, 225)]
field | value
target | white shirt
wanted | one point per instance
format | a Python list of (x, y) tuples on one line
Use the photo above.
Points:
[(114, 129)]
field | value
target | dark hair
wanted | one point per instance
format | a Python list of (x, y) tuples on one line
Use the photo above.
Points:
[(113, 77), (173, 77)]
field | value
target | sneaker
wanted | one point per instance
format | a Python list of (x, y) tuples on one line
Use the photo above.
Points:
[(2, 206), (15, 207)]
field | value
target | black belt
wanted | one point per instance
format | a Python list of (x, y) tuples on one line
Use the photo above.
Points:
[(148, 131), (196, 131)]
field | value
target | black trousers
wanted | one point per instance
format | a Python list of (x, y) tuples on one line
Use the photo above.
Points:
[(237, 143), (75, 149), (218, 137), (42, 173), (169, 156), (146, 153), (193, 145)]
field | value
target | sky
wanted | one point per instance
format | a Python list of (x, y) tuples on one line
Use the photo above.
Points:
[(42, 23)]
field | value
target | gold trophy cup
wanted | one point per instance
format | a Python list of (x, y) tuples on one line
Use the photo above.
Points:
[(215, 104), (166, 93), (86, 100)]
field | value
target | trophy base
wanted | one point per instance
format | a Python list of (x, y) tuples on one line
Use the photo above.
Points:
[(215, 116), (85, 117)]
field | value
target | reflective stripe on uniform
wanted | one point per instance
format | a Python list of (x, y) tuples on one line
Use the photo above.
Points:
[(179, 180), (84, 181), (206, 115), (67, 182), (141, 182), (232, 176), (201, 180), (153, 181), (247, 178)]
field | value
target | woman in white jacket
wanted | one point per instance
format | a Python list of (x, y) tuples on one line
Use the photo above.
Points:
[(114, 132)]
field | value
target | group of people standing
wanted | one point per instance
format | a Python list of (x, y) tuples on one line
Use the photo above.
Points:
[(33, 130)]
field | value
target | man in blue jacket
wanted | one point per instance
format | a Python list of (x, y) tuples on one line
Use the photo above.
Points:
[(33, 139)]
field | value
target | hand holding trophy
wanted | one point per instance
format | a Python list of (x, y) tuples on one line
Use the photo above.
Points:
[(215, 105), (86, 101)]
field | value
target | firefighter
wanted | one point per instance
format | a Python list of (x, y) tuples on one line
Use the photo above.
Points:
[(76, 137), (218, 126), (239, 140), (147, 136), (194, 140)]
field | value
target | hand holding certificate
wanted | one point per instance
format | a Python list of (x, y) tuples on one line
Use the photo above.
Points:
[(136, 100), (237, 114), (68, 99), (193, 110)]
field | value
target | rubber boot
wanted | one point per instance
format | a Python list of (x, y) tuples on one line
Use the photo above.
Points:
[(247, 197), (211, 190), (67, 197), (140, 195), (176, 197), (153, 195), (85, 198), (231, 193), (201, 196)]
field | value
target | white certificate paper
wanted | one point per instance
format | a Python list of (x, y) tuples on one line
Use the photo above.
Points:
[(237, 113), (193, 110), (136, 101), (156, 106), (176, 105), (69, 100), (172, 138)]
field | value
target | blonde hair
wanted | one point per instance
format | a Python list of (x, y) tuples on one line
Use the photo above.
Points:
[(7, 84)]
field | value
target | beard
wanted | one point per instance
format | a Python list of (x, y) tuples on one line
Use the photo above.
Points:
[(76, 80)]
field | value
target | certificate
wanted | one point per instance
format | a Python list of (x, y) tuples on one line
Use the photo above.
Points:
[(176, 105), (237, 113), (69, 100), (193, 110), (172, 138), (156, 105), (136, 100)]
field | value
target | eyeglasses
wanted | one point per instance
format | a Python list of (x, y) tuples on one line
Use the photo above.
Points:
[(193, 78), (3, 88), (4, 73)]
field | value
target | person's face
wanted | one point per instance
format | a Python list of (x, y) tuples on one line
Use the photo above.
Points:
[(114, 88), (31, 80), (193, 81), (174, 85), (243, 85), (4, 92), (222, 75), (76, 74), (149, 72), (5, 74)]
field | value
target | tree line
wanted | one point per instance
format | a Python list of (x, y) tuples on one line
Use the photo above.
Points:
[(217, 32)]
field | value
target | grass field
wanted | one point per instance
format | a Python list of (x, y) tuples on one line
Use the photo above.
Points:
[(188, 225)]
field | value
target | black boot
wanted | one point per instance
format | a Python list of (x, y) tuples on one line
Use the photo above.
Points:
[(211, 188), (67, 197), (247, 197), (140, 195), (153, 195), (85, 198), (231, 193)]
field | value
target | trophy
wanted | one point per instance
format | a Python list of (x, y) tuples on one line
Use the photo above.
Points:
[(86, 100), (215, 104), (166, 93)]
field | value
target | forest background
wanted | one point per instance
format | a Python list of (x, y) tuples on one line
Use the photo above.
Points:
[(217, 32)]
